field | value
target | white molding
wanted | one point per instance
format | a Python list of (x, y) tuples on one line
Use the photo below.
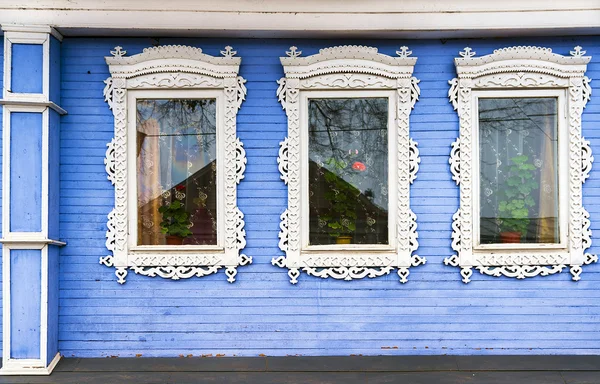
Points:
[(326, 18), (175, 71), (33, 29), (34, 103), (37, 35), (521, 72), (347, 71), (30, 367)]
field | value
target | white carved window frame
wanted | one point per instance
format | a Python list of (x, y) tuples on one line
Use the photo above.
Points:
[(522, 72), (348, 71), (174, 72)]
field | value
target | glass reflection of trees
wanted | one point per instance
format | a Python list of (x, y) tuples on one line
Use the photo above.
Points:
[(348, 170), (518, 170), (176, 161)]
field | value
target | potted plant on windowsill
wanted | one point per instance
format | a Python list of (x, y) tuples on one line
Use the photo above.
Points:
[(175, 222), (515, 208)]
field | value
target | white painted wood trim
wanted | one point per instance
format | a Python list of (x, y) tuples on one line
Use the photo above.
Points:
[(174, 72), (23, 34), (521, 72), (386, 18), (348, 71), (6, 353), (33, 103), (30, 367)]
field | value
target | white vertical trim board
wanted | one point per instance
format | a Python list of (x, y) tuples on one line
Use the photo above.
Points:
[(32, 103)]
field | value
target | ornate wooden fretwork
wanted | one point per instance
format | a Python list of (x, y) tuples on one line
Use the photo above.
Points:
[(348, 68), (528, 68), (175, 67)]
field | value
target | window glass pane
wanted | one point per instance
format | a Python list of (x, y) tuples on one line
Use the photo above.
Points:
[(176, 171), (518, 170), (348, 171)]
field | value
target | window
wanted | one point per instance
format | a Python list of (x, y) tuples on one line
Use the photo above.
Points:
[(520, 163), (176, 168), (348, 171), (518, 171), (175, 162), (348, 162)]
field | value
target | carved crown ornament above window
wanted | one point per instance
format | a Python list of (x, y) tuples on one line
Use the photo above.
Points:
[(511, 183), (348, 216), (194, 203)]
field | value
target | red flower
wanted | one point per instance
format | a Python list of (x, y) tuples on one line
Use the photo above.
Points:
[(180, 187), (358, 166)]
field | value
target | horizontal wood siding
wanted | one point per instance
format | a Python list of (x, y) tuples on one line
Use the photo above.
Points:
[(262, 313)]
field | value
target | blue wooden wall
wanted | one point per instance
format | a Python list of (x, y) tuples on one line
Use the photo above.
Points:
[(262, 313)]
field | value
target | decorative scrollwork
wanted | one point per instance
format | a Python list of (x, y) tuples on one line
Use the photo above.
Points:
[(521, 271), (404, 52), (239, 229), (107, 261), (110, 231), (348, 273), (293, 52), (281, 94), (121, 274), (241, 91), (467, 53), (283, 231), (586, 159), (228, 52), (452, 261), (526, 68), (175, 272), (293, 274), (282, 160), (244, 260), (414, 159), (414, 234), (118, 52), (455, 160), (403, 274), (417, 260), (177, 67), (415, 91), (278, 261), (240, 160), (453, 93), (586, 90), (466, 273), (108, 92), (577, 52), (109, 161)]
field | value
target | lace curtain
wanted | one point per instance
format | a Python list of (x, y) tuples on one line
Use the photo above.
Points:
[(518, 169)]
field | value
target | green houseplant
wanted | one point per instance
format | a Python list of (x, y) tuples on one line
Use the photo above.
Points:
[(515, 208), (175, 222)]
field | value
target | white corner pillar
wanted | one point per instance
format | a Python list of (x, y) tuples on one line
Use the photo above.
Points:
[(30, 206)]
